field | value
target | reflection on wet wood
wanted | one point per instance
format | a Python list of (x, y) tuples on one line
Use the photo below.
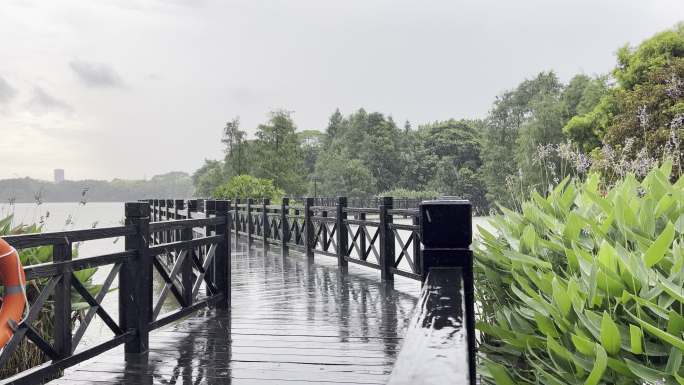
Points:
[(435, 350), (292, 323)]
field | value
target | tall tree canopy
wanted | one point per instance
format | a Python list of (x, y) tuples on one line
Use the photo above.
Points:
[(534, 134)]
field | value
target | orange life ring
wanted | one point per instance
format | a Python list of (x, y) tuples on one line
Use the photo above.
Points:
[(13, 279)]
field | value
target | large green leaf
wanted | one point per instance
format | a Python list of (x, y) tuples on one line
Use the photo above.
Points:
[(610, 334), (660, 246), (649, 374), (560, 297), (663, 335), (501, 376), (599, 367), (635, 338)]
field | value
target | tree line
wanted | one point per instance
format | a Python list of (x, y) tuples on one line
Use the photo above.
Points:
[(533, 136), (27, 190)]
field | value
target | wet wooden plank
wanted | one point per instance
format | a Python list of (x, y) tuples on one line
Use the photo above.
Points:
[(291, 323)]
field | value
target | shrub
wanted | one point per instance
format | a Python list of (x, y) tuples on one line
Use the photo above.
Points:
[(410, 194), (247, 186), (585, 286)]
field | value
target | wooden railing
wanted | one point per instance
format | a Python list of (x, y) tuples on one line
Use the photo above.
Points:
[(188, 244), (399, 203), (382, 238), (181, 256)]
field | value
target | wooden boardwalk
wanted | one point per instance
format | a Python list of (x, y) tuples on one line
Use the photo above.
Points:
[(292, 323)]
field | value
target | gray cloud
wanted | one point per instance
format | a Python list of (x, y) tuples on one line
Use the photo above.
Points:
[(96, 74), (7, 92), (42, 102)]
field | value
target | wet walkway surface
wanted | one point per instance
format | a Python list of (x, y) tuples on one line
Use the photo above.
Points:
[(291, 324)]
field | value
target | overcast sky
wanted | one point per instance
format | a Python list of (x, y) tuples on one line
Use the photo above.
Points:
[(132, 88)]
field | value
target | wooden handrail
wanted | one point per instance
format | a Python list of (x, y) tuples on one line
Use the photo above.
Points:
[(134, 269)]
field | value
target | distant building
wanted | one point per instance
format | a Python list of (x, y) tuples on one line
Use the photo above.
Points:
[(59, 175)]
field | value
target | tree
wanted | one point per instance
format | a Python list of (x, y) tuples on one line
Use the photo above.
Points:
[(441, 152), (635, 65), (236, 148), (372, 139), (340, 176), (650, 117), (543, 128), (511, 111), (643, 113), (311, 143), (208, 177), (278, 156)]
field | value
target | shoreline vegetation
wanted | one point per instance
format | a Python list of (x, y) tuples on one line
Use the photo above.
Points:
[(27, 190)]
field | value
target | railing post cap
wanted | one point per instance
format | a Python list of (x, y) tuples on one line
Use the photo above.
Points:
[(446, 223), (137, 209), (221, 205), (192, 204)]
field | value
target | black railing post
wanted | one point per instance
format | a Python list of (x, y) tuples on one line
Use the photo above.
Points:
[(162, 217), (170, 217), (324, 232), (284, 226), (210, 210), (264, 223), (362, 236), (155, 207), (186, 267), (135, 280), (417, 256), (342, 234), (446, 234), (222, 256), (308, 230), (178, 205), (386, 240), (62, 328), (236, 221), (250, 201)]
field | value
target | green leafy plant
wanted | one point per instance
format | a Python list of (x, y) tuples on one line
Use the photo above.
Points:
[(410, 194), (247, 186), (585, 286)]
